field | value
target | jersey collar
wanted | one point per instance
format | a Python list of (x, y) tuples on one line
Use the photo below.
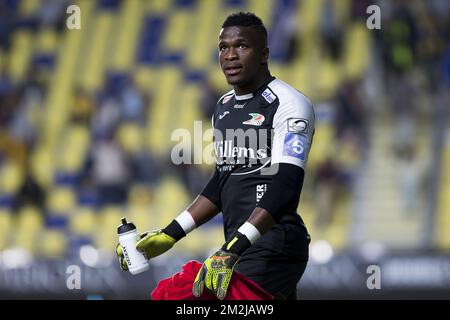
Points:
[(250, 95), (243, 97)]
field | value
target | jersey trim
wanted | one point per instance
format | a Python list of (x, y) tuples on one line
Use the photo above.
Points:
[(243, 97)]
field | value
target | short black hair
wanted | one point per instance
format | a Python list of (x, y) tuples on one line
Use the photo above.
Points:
[(245, 19)]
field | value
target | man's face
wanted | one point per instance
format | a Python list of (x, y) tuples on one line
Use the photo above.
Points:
[(242, 54)]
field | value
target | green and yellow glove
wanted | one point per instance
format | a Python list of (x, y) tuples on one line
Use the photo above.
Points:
[(217, 270), (152, 244), (215, 274)]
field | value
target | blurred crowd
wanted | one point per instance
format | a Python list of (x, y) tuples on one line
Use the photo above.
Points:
[(411, 57)]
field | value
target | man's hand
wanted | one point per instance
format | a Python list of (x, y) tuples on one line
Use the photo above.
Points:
[(152, 244), (155, 243), (216, 274)]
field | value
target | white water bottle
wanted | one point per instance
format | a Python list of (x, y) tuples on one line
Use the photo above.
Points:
[(128, 236)]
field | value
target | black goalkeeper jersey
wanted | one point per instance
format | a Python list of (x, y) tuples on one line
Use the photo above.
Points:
[(252, 134)]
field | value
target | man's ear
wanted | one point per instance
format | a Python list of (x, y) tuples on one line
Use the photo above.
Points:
[(265, 56)]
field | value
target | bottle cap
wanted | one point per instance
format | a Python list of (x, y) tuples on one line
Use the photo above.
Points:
[(125, 226)]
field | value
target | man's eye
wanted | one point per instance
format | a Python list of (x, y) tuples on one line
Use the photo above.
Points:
[(242, 46), (222, 48)]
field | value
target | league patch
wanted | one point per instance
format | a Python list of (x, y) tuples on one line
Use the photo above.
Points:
[(297, 125), (269, 95), (226, 99), (295, 145)]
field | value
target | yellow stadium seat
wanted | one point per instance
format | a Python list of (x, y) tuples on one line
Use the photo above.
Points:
[(207, 27), (140, 195), (342, 10), (328, 78), (127, 34), (442, 236), (83, 222), (61, 200), (157, 6), (92, 72), (309, 13), (144, 218), (52, 244), (356, 51), (190, 94), (110, 216), (263, 9), (130, 137), (217, 79), (11, 177), (145, 77), (324, 143), (29, 223), (42, 166), (177, 32), (171, 198), (195, 243), (163, 111), (46, 40), (20, 54), (6, 225), (71, 160), (26, 241), (105, 236), (29, 220), (78, 135), (73, 149), (60, 87), (29, 7)]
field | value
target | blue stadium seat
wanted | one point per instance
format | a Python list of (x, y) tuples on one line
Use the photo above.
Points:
[(149, 50), (108, 4), (184, 4)]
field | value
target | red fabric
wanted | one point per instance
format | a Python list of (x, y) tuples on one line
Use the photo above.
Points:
[(179, 287)]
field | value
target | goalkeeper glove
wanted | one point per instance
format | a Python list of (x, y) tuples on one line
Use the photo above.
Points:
[(155, 243), (217, 270), (152, 244), (216, 274)]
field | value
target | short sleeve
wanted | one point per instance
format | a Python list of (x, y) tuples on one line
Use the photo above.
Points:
[(293, 126)]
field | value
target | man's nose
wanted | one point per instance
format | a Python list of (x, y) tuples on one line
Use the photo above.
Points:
[(231, 54)]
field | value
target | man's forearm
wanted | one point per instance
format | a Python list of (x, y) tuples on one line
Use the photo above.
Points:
[(282, 195), (197, 213), (261, 219), (202, 210)]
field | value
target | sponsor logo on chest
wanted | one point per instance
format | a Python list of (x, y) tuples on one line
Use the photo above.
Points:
[(256, 120)]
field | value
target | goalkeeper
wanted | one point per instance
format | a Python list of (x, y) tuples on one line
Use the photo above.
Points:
[(258, 178)]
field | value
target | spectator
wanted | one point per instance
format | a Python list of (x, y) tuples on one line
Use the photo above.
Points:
[(132, 103), (351, 111), (109, 171), (326, 191), (81, 107), (106, 118), (30, 192)]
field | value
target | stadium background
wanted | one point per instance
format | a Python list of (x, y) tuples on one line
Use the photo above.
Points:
[(86, 118)]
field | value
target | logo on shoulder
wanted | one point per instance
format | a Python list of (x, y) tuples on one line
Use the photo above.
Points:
[(223, 114), (226, 99), (295, 146), (256, 120), (269, 95), (297, 125)]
